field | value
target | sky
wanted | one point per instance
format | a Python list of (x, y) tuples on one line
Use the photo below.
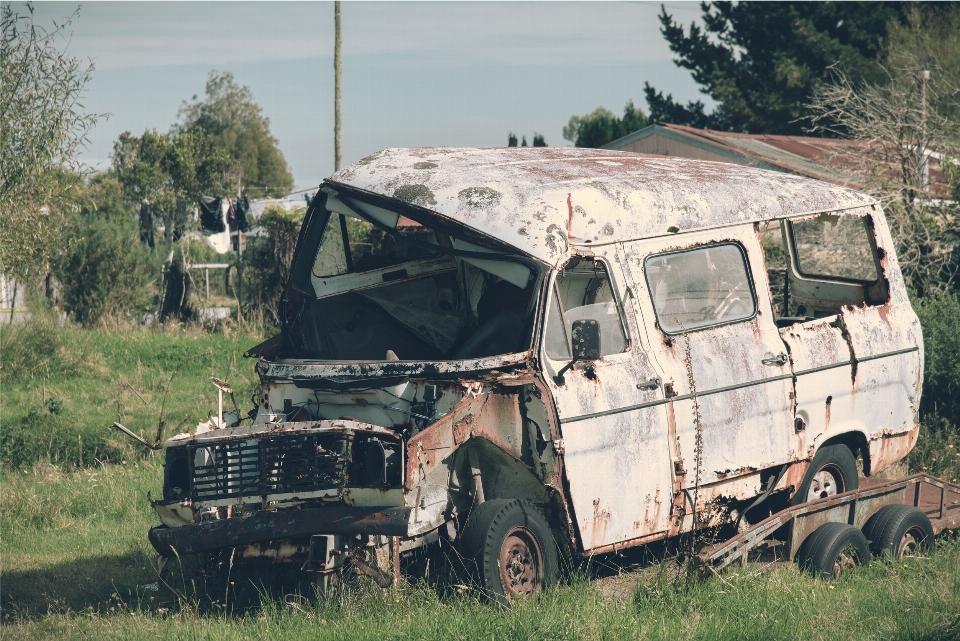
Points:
[(457, 74)]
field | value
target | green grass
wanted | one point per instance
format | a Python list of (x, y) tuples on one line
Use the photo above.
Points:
[(75, 560), (63, 387)]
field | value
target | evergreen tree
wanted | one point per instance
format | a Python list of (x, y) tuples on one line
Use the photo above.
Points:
[(761, 61)]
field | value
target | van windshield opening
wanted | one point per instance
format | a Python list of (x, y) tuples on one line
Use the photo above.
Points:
[(400, 290)]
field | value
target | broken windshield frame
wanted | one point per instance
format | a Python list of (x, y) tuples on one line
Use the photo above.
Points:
[(419, 294)]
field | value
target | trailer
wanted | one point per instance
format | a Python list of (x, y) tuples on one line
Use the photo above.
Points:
[(900, 517)]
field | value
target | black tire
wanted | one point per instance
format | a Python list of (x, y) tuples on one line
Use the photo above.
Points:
[(513, 549), (899, 530), (832, 549), (832, 471)]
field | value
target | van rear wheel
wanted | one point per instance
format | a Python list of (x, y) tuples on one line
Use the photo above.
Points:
[(513, 550), (832, 471)]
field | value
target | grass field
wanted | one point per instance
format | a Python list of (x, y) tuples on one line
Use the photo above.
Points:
[(76, 563), (76, 560), (62, 388)]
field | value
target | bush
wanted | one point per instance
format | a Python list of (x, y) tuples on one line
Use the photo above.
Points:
[(106, 270), (267, 261), (937, 451), (940, 318)]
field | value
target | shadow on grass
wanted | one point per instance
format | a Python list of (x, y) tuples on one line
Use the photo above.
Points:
[(76, 585), (105, 584)]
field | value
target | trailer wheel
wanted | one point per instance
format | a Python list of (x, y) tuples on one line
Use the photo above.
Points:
[(900, 530), (832, 549), (510, 542), (832, 471)]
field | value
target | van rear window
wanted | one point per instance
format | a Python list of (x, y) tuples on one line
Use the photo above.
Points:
[(700, 287), (835, 247)]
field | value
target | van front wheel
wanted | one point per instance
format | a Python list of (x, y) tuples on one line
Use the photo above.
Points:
[(832, 471), (513, 549)]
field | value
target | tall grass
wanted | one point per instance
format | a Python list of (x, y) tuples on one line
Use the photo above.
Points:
[(62, 387), (76, 565), (75, 561)]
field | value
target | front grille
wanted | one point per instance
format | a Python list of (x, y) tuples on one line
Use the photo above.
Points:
[(282, 464)]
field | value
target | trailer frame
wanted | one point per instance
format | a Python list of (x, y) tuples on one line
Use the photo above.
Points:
[(935, 497)]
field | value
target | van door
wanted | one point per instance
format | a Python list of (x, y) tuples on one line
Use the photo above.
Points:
[(853, 338), (617, 455), (723, 364)]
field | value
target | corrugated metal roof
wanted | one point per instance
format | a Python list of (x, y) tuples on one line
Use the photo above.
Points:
[(542, 200), (844, 162)]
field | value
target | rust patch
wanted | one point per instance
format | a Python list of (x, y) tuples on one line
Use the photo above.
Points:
[(601, 517), (845, 334), (794, 475), (495, 417), (887, 449)]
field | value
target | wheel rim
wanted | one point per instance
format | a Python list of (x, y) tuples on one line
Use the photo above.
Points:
[(521, 563), (909, 544), (846, 560), (828, 481)]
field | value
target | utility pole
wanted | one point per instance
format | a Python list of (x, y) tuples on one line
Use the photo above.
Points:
[(923, 169), (924, 76), (337, 151)]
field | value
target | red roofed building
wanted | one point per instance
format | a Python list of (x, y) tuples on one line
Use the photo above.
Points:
[(843, 162)]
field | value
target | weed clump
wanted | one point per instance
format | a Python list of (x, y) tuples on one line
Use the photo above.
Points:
[(36, 349)]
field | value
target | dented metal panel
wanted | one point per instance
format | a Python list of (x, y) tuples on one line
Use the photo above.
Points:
[(859, 371), (742, 383), (617, 450), (544, 200)]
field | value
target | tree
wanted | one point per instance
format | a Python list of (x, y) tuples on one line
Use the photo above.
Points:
[(905, 122), (42, 125), (104, 270), (760, 61), (170, 173), (538, 140), (601, 126), (234, 123)]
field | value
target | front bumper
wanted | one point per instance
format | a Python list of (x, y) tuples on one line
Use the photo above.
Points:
[(280, 525)]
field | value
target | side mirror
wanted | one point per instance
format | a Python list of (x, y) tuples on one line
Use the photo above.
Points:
[(585, 340)]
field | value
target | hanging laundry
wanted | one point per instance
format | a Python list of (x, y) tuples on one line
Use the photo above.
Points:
[(239, 213), (214, 216), (147, 229), (211, 214)]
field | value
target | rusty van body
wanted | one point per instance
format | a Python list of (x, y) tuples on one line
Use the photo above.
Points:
[(520, 351)]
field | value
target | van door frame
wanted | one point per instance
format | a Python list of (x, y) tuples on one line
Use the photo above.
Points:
[(738, 481), (625, 499)]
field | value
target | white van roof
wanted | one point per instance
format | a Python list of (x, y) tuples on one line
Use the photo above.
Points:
[(541, 200)]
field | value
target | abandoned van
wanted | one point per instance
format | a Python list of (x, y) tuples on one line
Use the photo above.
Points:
[(527, 352)]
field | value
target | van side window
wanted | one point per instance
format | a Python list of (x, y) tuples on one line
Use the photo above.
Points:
[(819, 264), (834, 247), (583, 291), (331, 258), (556, 342), (775, 254), (709, 285), (353, 245)]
